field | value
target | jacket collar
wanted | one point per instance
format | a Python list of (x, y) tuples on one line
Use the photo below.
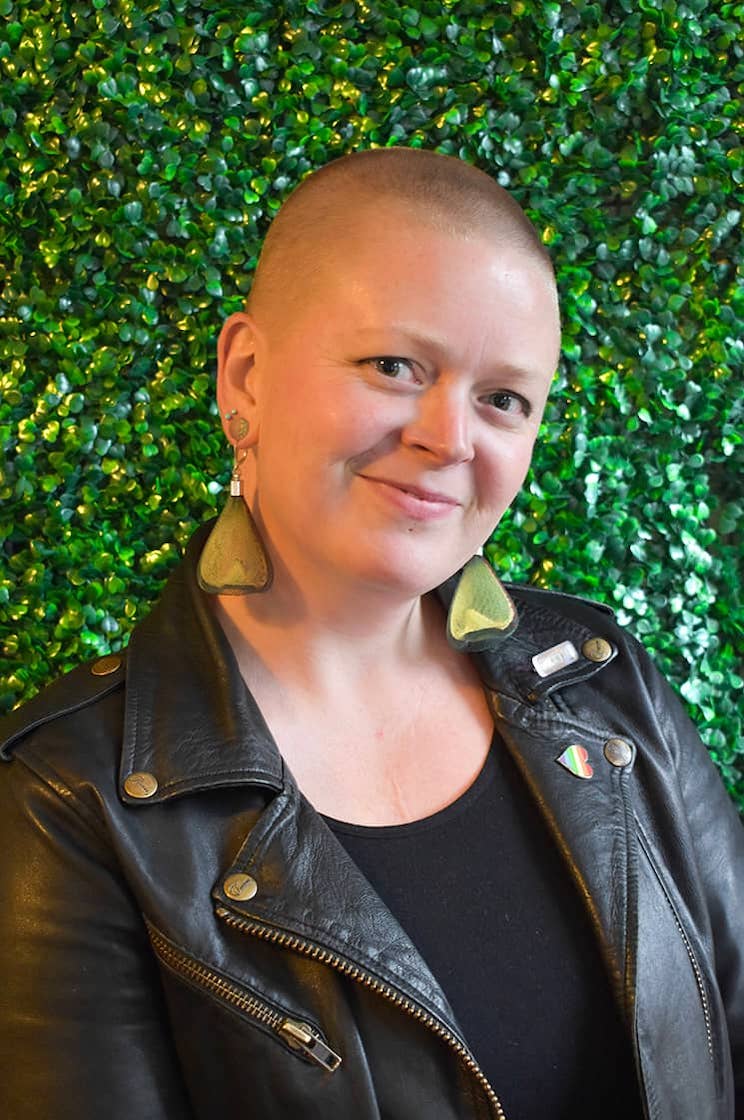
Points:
[(189, 719)]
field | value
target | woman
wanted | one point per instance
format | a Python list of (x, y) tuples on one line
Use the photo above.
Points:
[(350, 831)]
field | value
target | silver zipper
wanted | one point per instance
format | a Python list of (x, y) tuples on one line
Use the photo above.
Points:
[(325, 956), (298, 1035)]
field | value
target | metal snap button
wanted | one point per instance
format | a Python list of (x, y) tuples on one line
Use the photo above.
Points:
[(597, 649), (618, 752), (105, 665), (240, 887), (141, 784)]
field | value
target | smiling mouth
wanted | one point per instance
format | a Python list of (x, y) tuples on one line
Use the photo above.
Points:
[(432, 496)]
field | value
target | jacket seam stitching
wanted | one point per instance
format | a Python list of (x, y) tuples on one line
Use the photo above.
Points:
[(54, 782), (697, 971), (7, 749)]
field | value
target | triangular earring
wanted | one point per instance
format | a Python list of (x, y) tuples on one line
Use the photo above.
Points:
[(481, 612), (234, 560)]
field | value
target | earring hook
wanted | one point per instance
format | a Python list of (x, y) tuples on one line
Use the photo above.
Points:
[(236, 484)]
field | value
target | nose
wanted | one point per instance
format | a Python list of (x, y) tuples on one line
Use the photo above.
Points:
[(442, 424)]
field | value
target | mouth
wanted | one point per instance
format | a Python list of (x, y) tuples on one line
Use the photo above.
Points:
[(423, 495)]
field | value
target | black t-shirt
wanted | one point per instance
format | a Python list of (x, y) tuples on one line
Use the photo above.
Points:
[(485, 896)]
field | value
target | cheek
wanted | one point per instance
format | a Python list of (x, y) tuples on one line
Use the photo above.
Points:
[(502, 472), (288, 423), (349, 428), (315, 438)]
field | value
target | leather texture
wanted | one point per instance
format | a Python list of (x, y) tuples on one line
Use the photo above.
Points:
[(139, 979)]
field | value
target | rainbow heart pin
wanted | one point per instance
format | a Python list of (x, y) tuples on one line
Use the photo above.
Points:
[(576, 760)]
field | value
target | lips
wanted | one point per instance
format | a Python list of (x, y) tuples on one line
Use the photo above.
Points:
[(424, 495)]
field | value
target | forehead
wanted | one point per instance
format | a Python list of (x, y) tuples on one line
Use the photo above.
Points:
[(397, 259), (326, 236), (398, 286)]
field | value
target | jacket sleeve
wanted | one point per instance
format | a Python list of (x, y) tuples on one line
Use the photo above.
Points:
[(83, 1030), (717, 840)]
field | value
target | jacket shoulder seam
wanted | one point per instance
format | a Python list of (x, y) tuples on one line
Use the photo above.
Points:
[(46, 774), (66, 695)]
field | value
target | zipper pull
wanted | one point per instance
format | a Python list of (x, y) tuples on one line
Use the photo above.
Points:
[(301, 1038)]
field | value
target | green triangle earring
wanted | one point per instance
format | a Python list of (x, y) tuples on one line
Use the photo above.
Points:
[(234, 560), (481, 611)]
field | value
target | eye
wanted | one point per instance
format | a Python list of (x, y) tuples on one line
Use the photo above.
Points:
[(506, 401), (399, 369)]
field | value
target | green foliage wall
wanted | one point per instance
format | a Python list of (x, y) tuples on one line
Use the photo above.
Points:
[(144, 146)]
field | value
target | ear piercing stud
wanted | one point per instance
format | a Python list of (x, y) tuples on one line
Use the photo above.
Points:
[(237, 426)]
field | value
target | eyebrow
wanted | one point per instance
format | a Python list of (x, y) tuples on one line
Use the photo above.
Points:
[(439, 347)]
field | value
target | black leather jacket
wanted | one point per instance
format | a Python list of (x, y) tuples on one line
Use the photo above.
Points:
[(183, 937)]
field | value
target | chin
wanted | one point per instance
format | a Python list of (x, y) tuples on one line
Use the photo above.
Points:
[(409, 571)]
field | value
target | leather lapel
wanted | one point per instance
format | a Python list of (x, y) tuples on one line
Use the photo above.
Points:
[(189, 719), (590, 819), (309, 888)]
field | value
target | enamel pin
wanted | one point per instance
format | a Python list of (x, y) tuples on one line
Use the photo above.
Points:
[(576, 760), (554, 659)]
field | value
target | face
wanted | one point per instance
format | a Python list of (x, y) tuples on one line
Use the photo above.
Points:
[(393, 419)]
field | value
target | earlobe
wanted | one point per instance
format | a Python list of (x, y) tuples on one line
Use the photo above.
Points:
[(236, 353)]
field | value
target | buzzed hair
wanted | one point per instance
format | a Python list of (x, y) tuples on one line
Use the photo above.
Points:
[(438, 191)]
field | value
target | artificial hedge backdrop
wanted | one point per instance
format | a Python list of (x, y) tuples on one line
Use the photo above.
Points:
[(144, 146)]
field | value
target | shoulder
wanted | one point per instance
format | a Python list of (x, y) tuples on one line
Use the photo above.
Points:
[(547, 617), (551, 614), (613, 670), (559, 602), (73, 725)]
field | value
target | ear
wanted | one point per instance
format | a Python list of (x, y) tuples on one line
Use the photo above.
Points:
[(236, 377)]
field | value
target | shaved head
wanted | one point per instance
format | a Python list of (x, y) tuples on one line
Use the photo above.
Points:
[(324, 215)]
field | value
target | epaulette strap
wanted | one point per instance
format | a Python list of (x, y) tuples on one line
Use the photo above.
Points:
[(69, 693), (530, 589)]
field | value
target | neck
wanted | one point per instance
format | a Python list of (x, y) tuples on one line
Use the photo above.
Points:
[(324, 640), (322, 634)]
